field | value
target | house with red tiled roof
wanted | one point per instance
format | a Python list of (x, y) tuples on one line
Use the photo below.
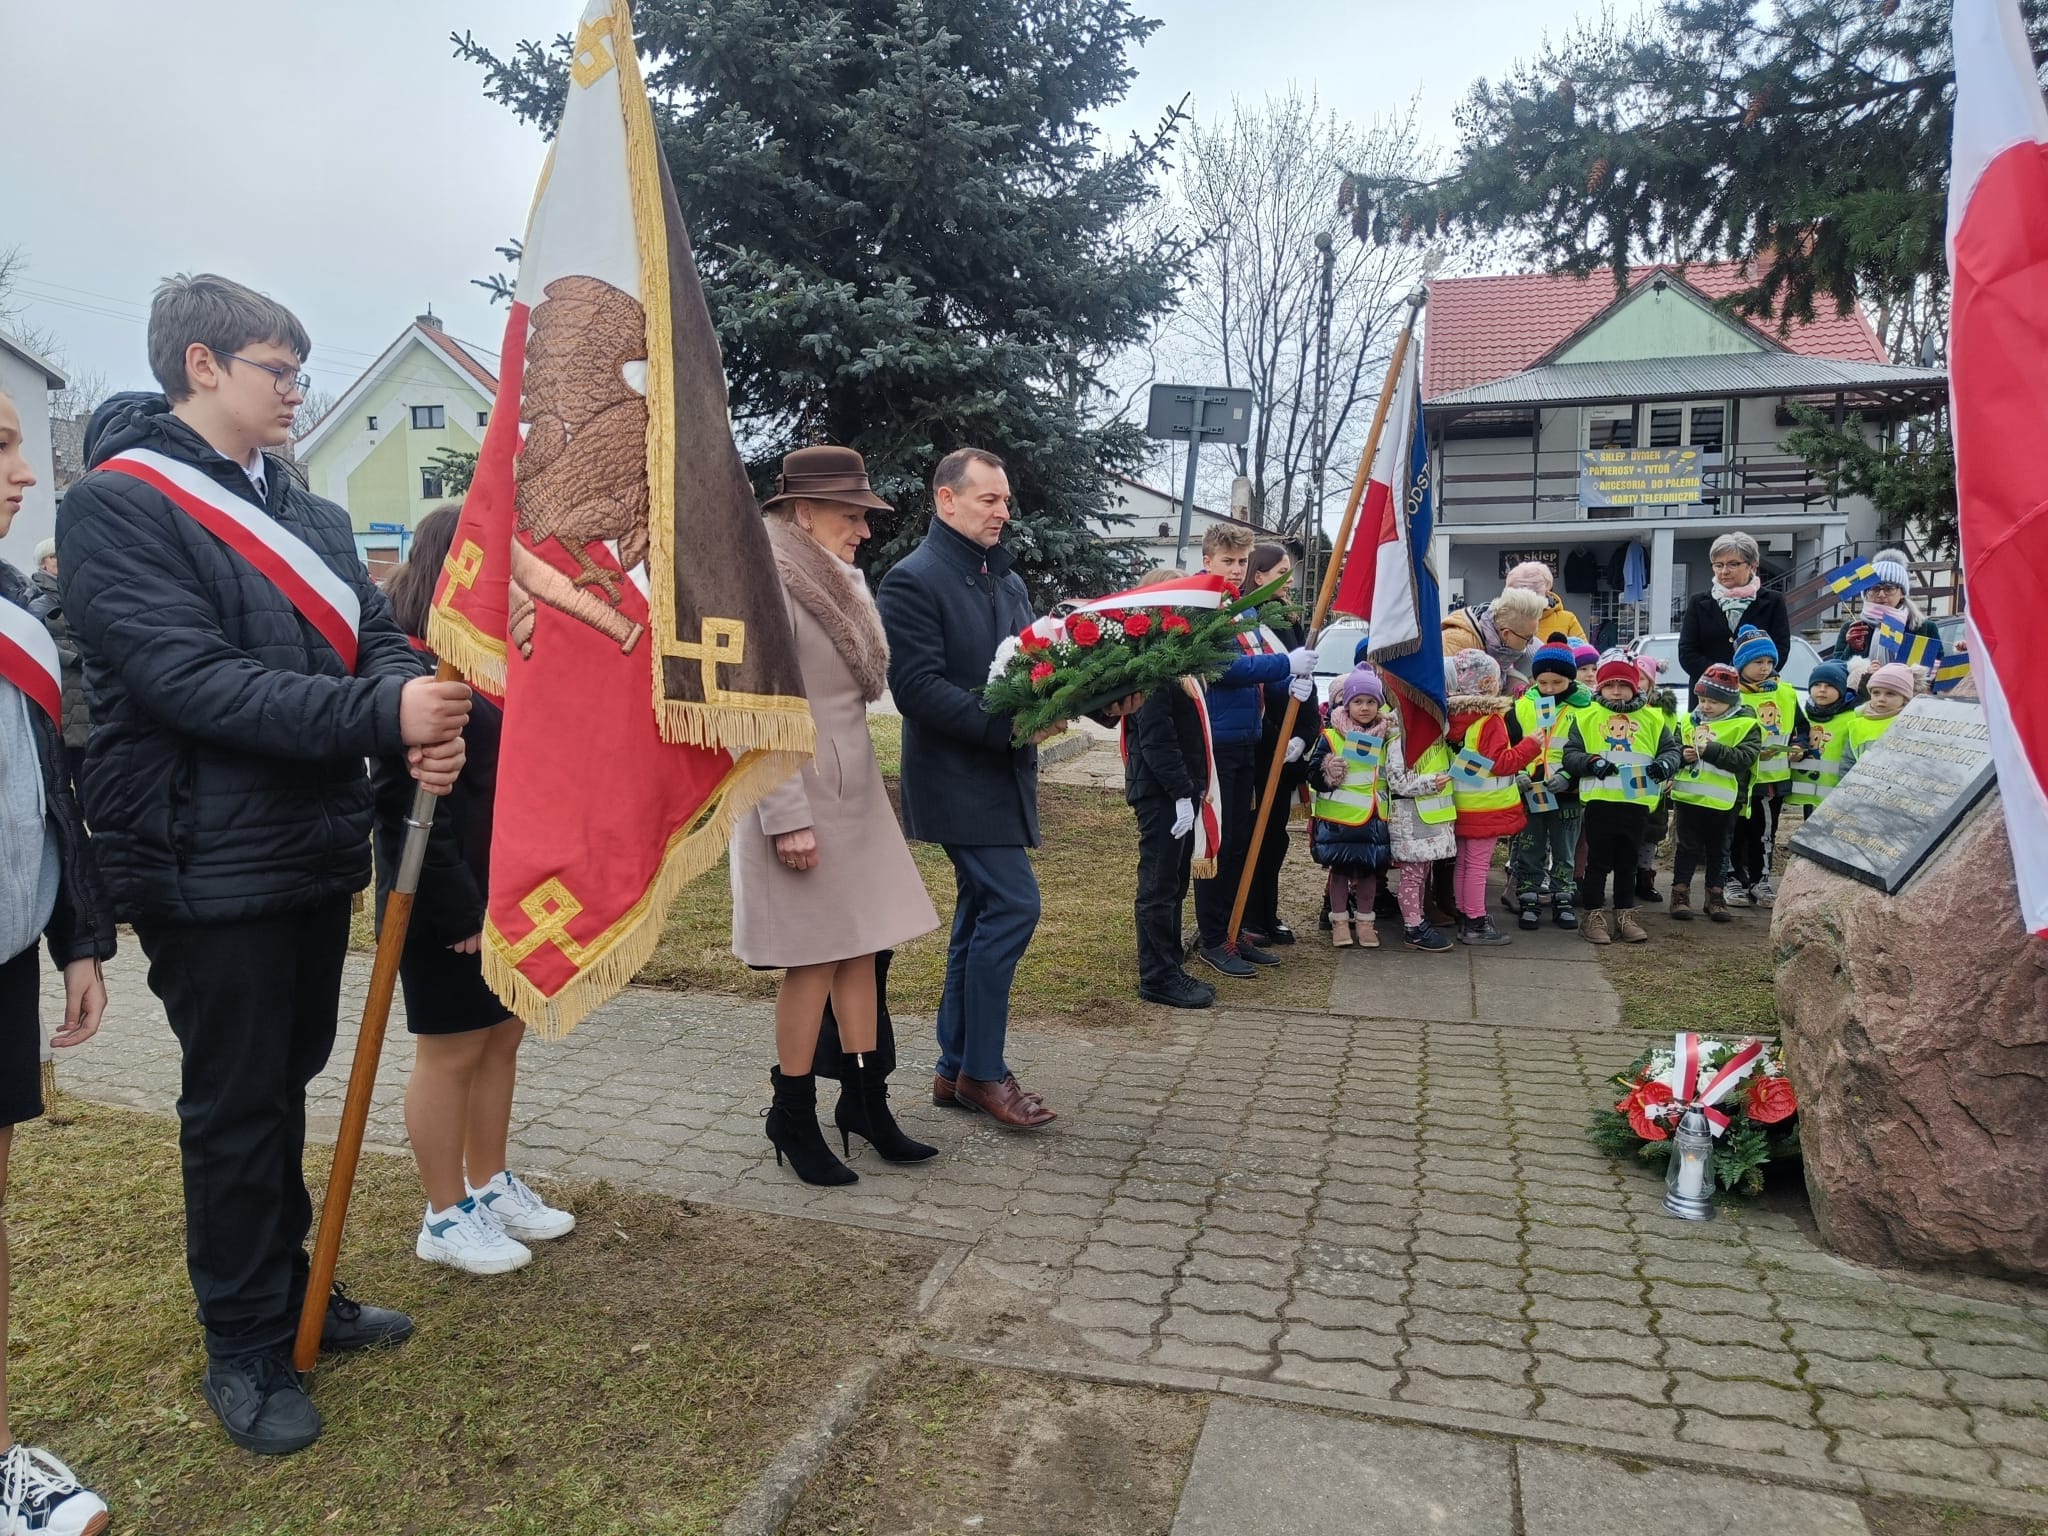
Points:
[(375, 450), (1571, 419)]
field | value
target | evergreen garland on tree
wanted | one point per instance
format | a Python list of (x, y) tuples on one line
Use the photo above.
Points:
[(911, 239)]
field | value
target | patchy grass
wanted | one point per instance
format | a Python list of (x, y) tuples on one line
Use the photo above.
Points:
[(946, 1448), (1082, 965), (1889, 1519), (635, 1378), (1713, 977)]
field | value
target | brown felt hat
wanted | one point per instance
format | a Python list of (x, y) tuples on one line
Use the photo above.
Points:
[(826, 474)]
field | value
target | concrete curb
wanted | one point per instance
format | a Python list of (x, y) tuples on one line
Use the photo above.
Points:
[(1058, 750), (1854, 1482)]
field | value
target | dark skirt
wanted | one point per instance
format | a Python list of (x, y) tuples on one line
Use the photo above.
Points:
[(445, 992), (21, 1039)]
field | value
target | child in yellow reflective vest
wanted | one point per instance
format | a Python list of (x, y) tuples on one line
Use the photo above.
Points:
[(1548, 846), (1890, 689), (1779, 721), (1721, 742), (1349, 834), (1484, 764), (1622, 751), (1828, 704), (1422, 828)]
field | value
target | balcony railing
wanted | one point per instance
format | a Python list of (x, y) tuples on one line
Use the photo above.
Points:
[(1544, 488)]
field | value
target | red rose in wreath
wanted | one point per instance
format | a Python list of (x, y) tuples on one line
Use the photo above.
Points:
[(1137, 625), (1638, 1103), (1032, 644), (1174, 624), (1041, 674), (1771, 1099), (1084, 632)]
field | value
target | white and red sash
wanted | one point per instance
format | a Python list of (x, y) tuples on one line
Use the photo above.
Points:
[(322, 598), (29, 660)]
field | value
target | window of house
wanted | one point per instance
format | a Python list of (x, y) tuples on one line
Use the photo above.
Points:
[(483, 418), (1679, 426), (1708, 431), (1611, 426), (427, 417), (430, 485), (373, 423), (1667, 426)]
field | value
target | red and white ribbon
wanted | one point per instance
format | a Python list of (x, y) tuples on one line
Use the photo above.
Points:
[(29, 660), (322, 598), (1208, 831), (1198, 590), (1692, 1093)]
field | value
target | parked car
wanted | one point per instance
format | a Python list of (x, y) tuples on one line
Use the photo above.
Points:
[(1335, 647), (1795, 669)]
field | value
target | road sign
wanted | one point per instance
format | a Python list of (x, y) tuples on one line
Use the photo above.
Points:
[(1224, 415)]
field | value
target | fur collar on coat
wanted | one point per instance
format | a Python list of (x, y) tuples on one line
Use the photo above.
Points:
[(836, 595), (1480, 703)]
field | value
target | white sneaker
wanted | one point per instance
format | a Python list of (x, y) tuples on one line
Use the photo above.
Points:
[(508, 1200), (1761, 894), (463, 1238), (40, 1497)]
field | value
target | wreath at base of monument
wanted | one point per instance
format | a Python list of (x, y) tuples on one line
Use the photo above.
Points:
[(1741, 1084)]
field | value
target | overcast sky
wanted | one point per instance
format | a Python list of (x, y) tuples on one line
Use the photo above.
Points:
[(337, 156)]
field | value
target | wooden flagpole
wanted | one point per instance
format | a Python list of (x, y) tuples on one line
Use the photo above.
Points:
[(362, 1077), (1324, 598)]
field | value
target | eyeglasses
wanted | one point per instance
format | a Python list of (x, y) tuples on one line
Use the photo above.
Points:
[(286, 380)]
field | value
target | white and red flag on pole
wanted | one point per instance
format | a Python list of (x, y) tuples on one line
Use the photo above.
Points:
[(1388, 580), (1998, 338)]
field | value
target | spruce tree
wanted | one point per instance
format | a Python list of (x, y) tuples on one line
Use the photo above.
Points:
[(911, 237)]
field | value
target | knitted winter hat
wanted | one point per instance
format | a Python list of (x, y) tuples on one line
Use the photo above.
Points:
[(1890, 565), (1719, 682), (1619, 667), (1834, 674), (1554, 655), (1752, 644), (1358, 651), (1584, 654), (1472, 671), (1359, 680), (1895, 675)]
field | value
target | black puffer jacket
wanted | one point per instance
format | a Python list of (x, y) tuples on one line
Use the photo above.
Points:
[(48, 605), (81, 926), (225, 777)]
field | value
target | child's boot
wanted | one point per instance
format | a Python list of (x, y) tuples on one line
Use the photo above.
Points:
[(1364, 932), (1562, 912), (1646, 885), (1530, 917), (1681, 901), (1717, 909), (1428, 939), (1340, 930), (1628, 927), (1594, 930)]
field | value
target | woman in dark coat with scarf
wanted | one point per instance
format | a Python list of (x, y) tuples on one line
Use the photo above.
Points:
[(1707, 636), (1262, 912)]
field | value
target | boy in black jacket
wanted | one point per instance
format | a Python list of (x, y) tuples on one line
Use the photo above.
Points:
[(1166, 777), (241, 667)]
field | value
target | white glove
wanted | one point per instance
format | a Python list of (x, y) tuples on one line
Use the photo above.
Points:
[(1302, 689), (1295, 747), (1183, 818), (1301, 662)]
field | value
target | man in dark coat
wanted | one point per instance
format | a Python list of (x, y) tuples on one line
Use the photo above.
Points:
[(946, 607), (226, 788)]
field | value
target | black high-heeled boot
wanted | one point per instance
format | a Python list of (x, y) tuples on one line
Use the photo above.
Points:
[(793, 1129), (863, 1110)]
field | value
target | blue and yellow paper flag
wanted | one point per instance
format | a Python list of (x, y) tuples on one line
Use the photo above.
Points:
[(1892, 643), (1471, 769), (1951, 671), (1851, 580)]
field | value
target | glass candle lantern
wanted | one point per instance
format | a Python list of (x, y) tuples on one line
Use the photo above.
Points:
[(1689, 1176)]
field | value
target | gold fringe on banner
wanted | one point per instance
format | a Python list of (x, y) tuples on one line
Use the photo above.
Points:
[(479, 659), (615, 957), (1201, 869), (49, 1081)]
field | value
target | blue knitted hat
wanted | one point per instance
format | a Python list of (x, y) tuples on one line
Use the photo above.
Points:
[(1555, 655), (1834, 674), (1752, 644)]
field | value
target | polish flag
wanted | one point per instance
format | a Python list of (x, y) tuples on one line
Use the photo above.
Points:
[(1998, 335), (1378, 556)]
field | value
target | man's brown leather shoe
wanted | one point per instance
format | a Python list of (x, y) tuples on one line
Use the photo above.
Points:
[(1005, 1102), (943, 1094)]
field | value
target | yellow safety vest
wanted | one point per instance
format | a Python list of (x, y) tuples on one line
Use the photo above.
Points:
[(1641, 731), (1777, 711), (1440, 807), (1361, 796), (1489, 792), (1526, 714), (1703, 784), (1815, 776), (1855, 734)]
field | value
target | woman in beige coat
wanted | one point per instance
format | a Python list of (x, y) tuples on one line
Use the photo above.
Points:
[(821, 876)]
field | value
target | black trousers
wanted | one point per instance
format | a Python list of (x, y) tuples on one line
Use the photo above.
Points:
[(1163, 864), (253, 1006), (1214, 898), (1702, 844), (1614, 842), (1752, 837)]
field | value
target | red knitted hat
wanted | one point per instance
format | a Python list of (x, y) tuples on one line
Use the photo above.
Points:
[(1619, 667)]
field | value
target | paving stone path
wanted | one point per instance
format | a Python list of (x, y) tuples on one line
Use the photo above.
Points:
[(1389, 1207)]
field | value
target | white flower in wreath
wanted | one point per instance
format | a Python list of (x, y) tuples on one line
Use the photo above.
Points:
[(1004, 652)]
